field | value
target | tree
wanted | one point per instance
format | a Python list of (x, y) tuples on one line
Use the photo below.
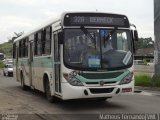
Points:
[(144, 43)]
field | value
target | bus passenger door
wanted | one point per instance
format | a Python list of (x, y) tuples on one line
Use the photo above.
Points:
[(57, 69), (30, 61)]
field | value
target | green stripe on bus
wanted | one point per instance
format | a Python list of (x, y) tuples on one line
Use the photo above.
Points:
[(119, 78), (44, 62)]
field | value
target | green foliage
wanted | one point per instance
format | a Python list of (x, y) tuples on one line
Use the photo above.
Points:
[(6, 48), (146, 81), (156, 83), (144, 43), (146, 60), (143, 80), (1, 64)]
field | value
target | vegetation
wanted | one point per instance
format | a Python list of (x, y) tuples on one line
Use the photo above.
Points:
[(144, 43), (156, 81), (1, 65), (143, 80), (6, 48), (146, 81)]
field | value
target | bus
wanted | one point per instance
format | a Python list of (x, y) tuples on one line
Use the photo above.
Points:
[(2, 57), (78, 55)]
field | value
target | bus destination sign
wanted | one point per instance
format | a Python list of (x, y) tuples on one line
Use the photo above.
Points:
[(77, 20), (97, 20)]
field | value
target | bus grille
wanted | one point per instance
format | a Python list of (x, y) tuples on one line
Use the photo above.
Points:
[(100, 90), (101, 75), (94, 83)]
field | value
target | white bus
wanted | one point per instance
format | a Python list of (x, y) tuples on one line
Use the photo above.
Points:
[(78, 55)]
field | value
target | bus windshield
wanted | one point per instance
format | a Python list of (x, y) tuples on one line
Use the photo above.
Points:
[(97, 48)]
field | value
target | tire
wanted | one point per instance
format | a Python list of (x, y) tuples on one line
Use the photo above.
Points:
[(50, 98), (24, 87), (4, 74), (103, 99)]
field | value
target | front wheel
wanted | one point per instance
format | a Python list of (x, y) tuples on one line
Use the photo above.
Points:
[(4, 73), (50, 98), (103, 99)]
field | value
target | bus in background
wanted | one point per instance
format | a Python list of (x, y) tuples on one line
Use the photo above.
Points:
[(2, 57), (78, 55)]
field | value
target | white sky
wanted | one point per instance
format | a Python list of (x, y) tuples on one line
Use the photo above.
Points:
[(24, 15)]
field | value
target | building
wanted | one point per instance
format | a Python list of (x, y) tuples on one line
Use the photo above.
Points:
[(157, 36)]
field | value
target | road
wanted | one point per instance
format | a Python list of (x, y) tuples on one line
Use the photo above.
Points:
[(33, 104)]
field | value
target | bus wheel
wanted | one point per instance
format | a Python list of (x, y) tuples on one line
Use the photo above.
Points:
[(50, 98), (24, 87), (4, 73), (103, 99)]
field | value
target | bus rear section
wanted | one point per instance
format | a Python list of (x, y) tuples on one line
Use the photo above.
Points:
[(2, 57)]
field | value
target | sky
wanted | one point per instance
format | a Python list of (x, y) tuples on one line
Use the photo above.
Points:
[(24, 15)]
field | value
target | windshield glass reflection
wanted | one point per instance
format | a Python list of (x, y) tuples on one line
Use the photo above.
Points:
[(97, 48)]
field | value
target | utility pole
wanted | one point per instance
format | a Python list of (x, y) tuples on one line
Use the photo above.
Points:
[(157, 39)]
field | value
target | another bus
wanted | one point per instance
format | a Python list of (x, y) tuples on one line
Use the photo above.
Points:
[(2, 57), (78, 55)]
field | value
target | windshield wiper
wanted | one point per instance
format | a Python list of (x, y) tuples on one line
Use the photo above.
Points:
[(85, 31)]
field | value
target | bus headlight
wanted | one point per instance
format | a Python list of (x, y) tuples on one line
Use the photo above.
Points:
[(72, 80), (127, 79)]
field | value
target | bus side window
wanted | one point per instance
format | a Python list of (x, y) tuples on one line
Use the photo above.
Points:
[(20, 49), (39, 43), (26, 47), (23, 48), (47, 40), (35, 44)]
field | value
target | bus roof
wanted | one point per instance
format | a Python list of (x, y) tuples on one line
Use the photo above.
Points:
[(61, 18), (37, 29)]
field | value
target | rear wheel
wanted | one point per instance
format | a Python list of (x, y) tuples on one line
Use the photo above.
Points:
[(24, 87), (50, 98)]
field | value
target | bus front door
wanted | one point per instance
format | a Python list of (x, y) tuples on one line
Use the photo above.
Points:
[(57, 67), (30, 61)]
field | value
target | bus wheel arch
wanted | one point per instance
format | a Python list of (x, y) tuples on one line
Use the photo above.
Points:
[(47, 89)]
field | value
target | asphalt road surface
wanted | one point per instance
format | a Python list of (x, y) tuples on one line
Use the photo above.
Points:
[(33, 105)]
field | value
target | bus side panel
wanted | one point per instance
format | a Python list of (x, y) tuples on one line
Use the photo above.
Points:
[(23, 67), (41, 65)]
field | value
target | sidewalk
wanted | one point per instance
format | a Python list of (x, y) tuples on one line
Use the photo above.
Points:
[(150, 91)]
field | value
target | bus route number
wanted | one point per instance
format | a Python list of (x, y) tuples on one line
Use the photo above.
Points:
[(78, 19)]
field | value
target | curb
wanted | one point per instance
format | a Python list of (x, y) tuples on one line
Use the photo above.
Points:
[(147, 88)]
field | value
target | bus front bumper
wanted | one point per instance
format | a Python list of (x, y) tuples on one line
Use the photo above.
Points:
[(77, 92)]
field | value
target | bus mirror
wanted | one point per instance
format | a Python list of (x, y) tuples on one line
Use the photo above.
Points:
[(60, 38), (135, 35)]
